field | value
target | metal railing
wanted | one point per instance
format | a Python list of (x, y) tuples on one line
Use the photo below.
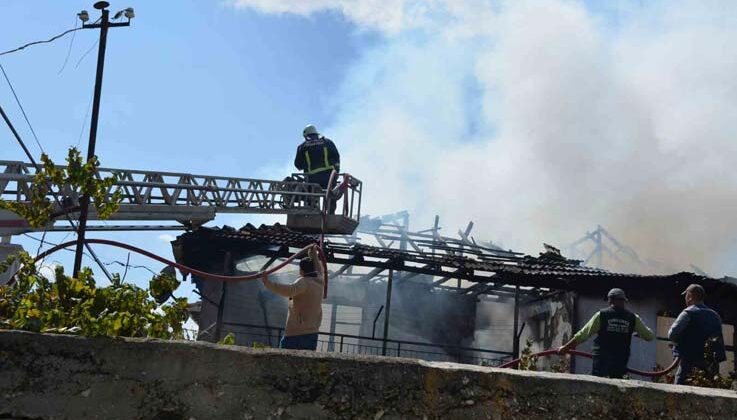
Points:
[(357, 344), (156, 195)]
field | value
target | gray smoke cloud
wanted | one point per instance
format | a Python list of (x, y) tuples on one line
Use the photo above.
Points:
[(539, 120)]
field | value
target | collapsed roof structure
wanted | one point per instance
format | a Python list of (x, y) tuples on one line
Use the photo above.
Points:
[(555, 293)]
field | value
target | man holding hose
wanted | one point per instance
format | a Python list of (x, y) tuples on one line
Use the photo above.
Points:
[(305, 303), (613, 327)]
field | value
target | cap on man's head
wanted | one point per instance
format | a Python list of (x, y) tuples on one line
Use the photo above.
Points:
[(616, 293), (696, 290)]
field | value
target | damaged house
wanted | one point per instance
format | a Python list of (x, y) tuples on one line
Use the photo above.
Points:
[(423, 295)]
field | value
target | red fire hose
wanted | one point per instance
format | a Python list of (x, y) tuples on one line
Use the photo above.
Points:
[(653, 374), (325, 210), (189, 270), (323, 260), (219, 277)]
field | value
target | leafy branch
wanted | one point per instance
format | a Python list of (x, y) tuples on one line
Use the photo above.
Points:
[(77, 306), (77, 176)]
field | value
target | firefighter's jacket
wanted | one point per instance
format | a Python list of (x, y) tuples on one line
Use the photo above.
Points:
[(314, 156)]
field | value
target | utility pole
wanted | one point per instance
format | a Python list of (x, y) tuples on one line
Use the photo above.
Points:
[(104, 25)]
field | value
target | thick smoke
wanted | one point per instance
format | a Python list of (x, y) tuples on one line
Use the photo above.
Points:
[(539, 120)]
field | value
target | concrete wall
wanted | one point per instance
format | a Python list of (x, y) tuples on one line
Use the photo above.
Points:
[(66, 377)]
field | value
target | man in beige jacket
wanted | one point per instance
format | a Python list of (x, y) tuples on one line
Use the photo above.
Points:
[(305, 303)]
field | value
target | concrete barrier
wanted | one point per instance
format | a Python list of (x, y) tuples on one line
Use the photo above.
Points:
[(45, 376)]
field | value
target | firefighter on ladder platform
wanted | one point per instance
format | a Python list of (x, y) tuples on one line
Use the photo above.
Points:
[(317, 156)]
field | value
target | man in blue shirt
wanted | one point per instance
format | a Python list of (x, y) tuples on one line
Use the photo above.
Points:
[(696, 326)]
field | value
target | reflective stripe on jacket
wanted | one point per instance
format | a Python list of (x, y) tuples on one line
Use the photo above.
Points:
[(314, 156)]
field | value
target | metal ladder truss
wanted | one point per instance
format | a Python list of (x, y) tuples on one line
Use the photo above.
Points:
[(188, 198)]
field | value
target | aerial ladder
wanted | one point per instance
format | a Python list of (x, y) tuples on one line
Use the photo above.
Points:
[(192, 200)]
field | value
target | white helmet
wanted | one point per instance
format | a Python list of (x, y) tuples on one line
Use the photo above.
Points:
[(310, 130)]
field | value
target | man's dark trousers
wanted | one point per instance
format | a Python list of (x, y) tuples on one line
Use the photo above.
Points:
[(609, 367), (299, 342)]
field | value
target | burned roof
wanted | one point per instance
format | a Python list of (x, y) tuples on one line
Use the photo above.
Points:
[(206, 249), (549, 269)]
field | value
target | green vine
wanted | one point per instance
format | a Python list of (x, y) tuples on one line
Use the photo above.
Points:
[(79, 176), (228, 340), (702, 377), (162, 286), (77, 306), (527, 359)]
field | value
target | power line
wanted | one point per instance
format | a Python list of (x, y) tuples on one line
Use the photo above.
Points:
[(54, 38), (84, 121), (53, 193), (94, 44), (38, 251), (109, 263), (17, 100), (127, 261), (127, 265), (69, 50)]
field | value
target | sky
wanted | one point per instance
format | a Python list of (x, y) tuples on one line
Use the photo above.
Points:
[(537, 120), (201, 88)]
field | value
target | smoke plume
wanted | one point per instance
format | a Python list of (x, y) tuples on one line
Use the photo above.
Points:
[(539, 120)]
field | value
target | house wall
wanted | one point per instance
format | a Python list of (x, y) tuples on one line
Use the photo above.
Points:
[(417, 314)]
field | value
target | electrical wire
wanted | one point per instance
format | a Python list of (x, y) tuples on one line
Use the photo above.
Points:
[(127, 261), (109, 263), (44, 242), (94, 44), (69, 50), (84, 121), (54, 38), (30, 126), (41, 244), (48, 183), (23, 111), (126, 264)]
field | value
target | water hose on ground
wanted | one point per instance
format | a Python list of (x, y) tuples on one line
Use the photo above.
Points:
[(652, 374)]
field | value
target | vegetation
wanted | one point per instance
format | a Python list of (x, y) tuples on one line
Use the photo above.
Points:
[(77, 306), (229, 339), (703, 377), (78, 176), (527, 358)]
